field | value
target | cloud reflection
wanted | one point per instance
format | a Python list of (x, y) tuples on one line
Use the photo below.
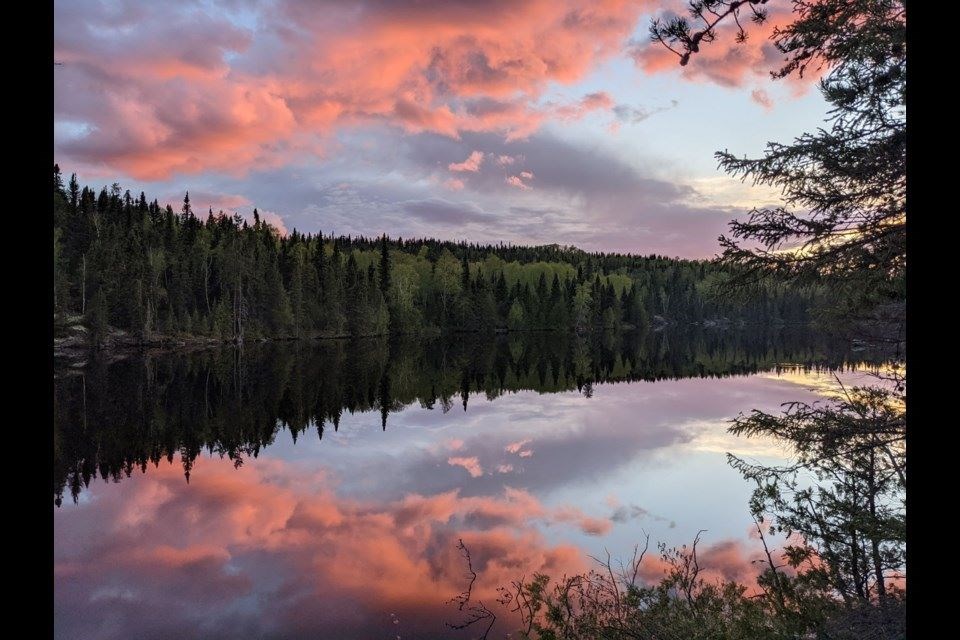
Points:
[(270, 550)]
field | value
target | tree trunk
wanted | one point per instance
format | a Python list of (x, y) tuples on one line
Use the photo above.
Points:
[(83, 287), (874, 539), (206, 284)]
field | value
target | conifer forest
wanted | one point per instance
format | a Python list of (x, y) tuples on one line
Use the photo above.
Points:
[(125, 262)]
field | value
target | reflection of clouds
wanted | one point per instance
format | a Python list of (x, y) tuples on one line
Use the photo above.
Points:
[(454, 444), (514, 447), (590, 526), (263, 536), (578, 440), (817, 385), (273, 551), (830, 384), (724, 560), (722, 442), (282, 548)]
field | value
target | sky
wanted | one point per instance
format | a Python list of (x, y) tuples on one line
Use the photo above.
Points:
[(539, 122)]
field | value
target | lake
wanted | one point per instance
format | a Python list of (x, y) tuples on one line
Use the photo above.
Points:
[(319, 489)]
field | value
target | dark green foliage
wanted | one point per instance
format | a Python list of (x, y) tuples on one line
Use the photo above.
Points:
[(844, 494), (843, 221), (152, 271), (843, 224)]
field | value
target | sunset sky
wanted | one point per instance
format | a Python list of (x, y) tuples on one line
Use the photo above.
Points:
[(537, 122)]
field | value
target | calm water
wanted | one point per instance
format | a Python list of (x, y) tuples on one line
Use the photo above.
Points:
[(319, 490)]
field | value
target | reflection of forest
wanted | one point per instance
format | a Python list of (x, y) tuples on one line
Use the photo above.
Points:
[(113, 418)]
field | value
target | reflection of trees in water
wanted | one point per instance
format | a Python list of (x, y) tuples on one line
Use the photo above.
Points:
[(113, 418)]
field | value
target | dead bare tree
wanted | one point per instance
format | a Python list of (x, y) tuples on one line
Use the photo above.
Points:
[(474, 613)]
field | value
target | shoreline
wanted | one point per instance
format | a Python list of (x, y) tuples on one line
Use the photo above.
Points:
[(74, 350)]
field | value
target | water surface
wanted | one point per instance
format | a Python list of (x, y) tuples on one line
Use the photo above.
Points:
[(319, 489)]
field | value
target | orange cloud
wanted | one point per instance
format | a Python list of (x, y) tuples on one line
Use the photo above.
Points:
[(471, 464), (472, 163), (204, 540), (197, 92), (761, 98), (159, 556), (589, 525), (590, 102), (514, 447)]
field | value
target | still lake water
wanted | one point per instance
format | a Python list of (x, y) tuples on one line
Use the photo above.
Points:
[(318, 490)]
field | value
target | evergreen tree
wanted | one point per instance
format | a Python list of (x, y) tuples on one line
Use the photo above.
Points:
[(186, 210)]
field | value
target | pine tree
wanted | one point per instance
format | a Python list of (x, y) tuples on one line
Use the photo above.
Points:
[(186, 211)]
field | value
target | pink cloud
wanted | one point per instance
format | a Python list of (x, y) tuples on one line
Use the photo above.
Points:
[(280, 540), (471, 464), (526, 453), (588, 525), (526, 175), (202, 201), (504, 468), (761, 98), (514, 447), (232, 533), (515, 181), (590, 102), (415, 118), (453, 184), (454, 444), (196, 92), (273, 219), (505, 160), (728, 560), (472, 163)]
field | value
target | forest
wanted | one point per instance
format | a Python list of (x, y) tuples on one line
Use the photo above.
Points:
[(125, 263)]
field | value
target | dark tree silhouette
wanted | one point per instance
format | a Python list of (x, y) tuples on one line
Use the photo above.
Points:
[(844, 186)]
